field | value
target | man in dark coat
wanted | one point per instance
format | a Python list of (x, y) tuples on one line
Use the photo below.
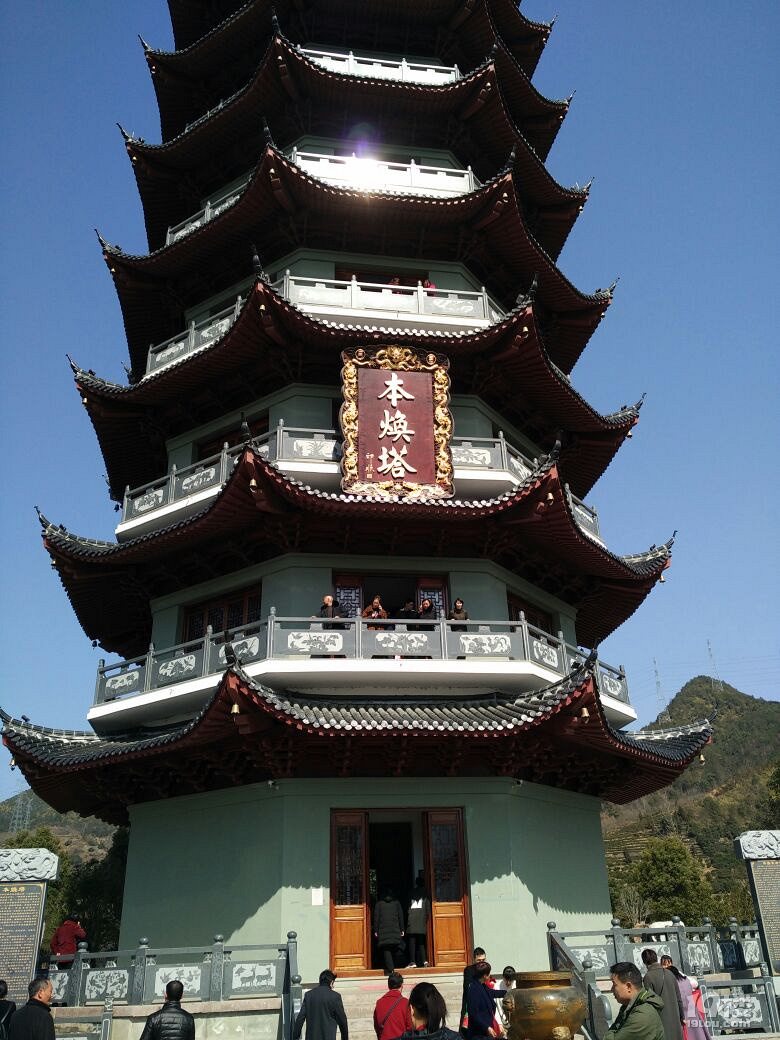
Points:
[(389, 929), (34, 1021), (322, 1010), (417, 924), (469, 976), (171, 1022), (662, 982)]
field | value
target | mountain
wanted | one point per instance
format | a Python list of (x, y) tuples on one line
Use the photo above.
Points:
[(84, 839), (713, 801)]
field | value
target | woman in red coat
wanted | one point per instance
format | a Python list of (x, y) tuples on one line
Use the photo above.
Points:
[(65, 939)]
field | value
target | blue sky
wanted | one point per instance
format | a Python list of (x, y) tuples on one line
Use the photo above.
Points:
[(675, 116)]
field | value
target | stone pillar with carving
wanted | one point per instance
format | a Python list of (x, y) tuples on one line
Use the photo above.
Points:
[(761, 852), (24, 875)]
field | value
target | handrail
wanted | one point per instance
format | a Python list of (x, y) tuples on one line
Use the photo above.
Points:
[(407, 299), (599, 1012), (212, 208), (358, 169), (362, 65), (199, 334), (357, 638), (128, 976)]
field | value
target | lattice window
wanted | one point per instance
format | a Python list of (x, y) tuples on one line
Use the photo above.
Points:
[(349, 865), (214, 445), (445, 856), (227, 611), (348, 591), (533, 615)]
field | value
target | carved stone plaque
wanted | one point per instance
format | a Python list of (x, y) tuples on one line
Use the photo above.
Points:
[(21, 916)]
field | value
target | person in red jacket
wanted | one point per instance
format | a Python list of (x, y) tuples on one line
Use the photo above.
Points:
[(391, 1014), (66, 938)]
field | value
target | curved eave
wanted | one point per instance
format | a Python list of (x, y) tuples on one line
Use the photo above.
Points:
[(183, 94), (503, 254), (259, 500), (284, 75), (506, 364), (194, 30), (538, 737)]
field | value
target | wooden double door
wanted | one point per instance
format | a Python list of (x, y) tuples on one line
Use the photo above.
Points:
[(368, 856)]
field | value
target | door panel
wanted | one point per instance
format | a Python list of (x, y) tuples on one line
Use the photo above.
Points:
[(449, 903), (349, 917)]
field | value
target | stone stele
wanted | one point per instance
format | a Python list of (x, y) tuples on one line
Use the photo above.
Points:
[(758, 845)]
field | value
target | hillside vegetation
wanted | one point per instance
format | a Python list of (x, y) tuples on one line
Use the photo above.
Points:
[(737, 788)]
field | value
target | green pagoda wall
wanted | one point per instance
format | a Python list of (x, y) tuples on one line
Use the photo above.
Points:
[(249, 863)]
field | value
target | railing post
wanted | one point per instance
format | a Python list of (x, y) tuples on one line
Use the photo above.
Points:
[(483, 290), (279, 439), (353, 291), (404, 70), (286, 285), (99, 676), (525, 636), (682, 944), (148, 667), (470, 173), (207, 212), (207, 650), (351, 65), (294, 994), (358, 637), (217, 968), (443, 637), (624, 683), (149, 357), (73, 989), (172, 483), (412, 174), (125, 503), (420, 298), (270, 641), (712, 943), (223, 457), (618, 939), (502, 450), (106, 1019), (136, 995), (564, 653), (191, 337), (237, 306)]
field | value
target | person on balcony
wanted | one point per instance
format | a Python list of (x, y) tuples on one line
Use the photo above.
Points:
[(329, 609), (408, 611), (374, 611), (458, 613), (428, 284)]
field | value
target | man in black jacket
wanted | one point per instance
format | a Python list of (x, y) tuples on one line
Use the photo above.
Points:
[(171, 1022), (469, 976), (322, 1010), (34, 1021)]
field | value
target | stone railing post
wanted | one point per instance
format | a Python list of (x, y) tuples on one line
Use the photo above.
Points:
[(682, 944), (98, 679), (712, 942), (358, 636), (139, 972), (148, 668), (73, 989), (107, 1019), (618, 940), (270, 636), (217, 971)]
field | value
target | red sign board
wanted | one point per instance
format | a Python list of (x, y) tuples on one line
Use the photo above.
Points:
[(395, 426)]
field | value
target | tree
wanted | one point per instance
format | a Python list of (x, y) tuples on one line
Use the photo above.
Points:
[(631, 906), (97, 890), (671, 881)]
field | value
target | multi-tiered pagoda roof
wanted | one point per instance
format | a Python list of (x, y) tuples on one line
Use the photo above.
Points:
[(244, 85)]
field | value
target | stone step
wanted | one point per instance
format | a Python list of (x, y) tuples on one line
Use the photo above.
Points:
[(360, 995)]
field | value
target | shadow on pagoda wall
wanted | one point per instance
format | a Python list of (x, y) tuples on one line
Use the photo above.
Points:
[(255, 862)]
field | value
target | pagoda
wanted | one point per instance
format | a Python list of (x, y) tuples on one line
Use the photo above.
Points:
[(350, 376)]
